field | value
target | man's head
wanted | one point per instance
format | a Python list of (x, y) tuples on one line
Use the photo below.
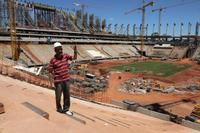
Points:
[(58, 48)]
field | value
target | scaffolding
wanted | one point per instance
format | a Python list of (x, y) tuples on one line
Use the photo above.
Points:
[(3, 16), (37, 15), (42, 16)]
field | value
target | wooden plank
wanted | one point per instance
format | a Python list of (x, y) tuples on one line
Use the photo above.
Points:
[(2, 108)]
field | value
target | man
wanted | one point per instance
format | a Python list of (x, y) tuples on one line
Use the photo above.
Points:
[(58, 67)]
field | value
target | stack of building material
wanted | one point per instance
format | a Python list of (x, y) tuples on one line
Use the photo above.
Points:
[(196, 111), (1, 108)]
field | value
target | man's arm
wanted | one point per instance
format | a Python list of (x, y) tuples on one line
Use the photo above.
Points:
[(69, 57), (50, 67), (75, 53), (51, 73)]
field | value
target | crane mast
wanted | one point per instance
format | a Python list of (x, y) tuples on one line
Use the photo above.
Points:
[(12, 24), (143, 9)]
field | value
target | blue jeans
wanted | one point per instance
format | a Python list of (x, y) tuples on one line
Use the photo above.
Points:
[(62, 87)]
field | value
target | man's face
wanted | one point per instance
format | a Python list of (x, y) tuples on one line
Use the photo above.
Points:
[(58, 50)]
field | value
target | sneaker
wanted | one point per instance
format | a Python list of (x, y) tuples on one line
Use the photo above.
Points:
[(65, 110), (69, 113)]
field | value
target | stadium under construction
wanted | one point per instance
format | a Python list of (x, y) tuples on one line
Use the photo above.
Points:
[(126, 78)]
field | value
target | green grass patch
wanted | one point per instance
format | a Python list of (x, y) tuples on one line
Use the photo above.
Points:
[(152, 68)]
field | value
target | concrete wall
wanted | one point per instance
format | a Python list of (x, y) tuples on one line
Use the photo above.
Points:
[(5, 50), (197, 53), (178, 52), (161, 52), (147, 48), (43, 53)]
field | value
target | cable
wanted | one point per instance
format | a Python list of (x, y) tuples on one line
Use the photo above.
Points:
[(181, 4)]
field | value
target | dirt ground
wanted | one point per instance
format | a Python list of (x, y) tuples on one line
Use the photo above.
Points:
[(19, 118), (191, 75), (188, 76)]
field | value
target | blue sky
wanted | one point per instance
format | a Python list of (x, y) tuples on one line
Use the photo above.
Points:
[(113, 11)]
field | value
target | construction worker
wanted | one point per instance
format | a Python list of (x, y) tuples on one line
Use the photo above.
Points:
[(58, 67)]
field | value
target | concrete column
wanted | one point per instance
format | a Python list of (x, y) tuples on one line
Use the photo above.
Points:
[(153, 28), (197, 29), (181, 29), (167, 26), (115, 28), (134, 30), (189, 28), (174, 29), (147, 26), (109, 28), (128, 29)]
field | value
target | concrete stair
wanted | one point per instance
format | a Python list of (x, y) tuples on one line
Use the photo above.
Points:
[(98, 118)]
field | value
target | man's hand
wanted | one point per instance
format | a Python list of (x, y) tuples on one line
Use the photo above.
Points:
[(73, 61), (75, 52)]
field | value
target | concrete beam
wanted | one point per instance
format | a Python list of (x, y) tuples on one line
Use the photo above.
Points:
[(136, 107), (119, 103), (153, 113), (190, 124), (128, 105)]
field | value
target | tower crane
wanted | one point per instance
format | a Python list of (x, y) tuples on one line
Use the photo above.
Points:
[(159, 20), (143, 9), (12, 24), (159, 10)]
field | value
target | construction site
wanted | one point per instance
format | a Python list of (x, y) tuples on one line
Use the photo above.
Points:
[(126, 78)]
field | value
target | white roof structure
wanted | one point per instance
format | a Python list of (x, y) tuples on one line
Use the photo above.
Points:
[(96, 54)]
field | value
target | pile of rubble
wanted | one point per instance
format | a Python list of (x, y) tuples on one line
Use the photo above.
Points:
[(90, 83), (189, 87), (137, 85), (142, 86)]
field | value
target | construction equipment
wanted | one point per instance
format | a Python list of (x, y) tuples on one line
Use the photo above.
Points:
[(195, 114), (171, 6), (196, 111), (12, 22), (143, 9), (159, 20)]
